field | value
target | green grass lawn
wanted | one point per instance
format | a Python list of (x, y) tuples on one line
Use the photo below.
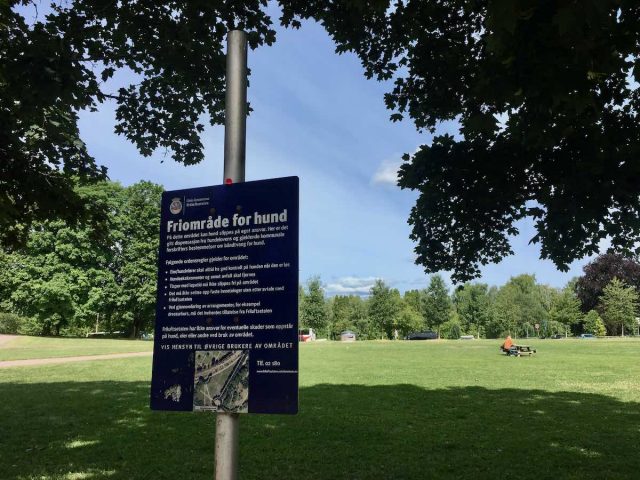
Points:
[(21, 348), (369, 410)]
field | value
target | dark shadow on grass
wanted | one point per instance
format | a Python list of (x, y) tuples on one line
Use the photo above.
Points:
[(105, 430)]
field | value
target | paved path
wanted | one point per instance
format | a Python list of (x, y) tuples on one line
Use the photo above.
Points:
[(83, 358)]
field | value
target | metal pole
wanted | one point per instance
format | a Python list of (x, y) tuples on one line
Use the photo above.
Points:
[(227, 440), (235, 122), (235, 132)]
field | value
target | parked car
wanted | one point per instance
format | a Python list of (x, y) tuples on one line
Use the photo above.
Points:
[(587, 335), (347, 336), (116, 334), (422, 336), (557, 336)]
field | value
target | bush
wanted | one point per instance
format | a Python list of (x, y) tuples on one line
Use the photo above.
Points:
[(451, 330), (11, 323), (30, 326), (75, 331)]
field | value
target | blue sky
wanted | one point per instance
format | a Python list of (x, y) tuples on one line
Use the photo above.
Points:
[(317, 117)]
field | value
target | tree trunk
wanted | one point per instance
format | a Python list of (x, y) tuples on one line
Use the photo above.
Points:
[(134, 330), (46, 329), (138, 321)]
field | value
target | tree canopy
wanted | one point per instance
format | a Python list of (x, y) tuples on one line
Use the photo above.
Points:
[(385, 308), (64, 279), (619, 307), (565, 308), (546, 99), (518, 306), (56, 64), (314, 312), (472, 304), (350, 313), (593, 324), (437, 304), (600, 272), (544, 93)]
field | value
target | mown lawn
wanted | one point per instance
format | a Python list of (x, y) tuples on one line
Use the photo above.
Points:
[(370, 410), (21, 348)]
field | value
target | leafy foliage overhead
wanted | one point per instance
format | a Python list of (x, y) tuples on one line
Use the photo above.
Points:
[(548, 127), (56, 64), (544, 92), (545, 96)]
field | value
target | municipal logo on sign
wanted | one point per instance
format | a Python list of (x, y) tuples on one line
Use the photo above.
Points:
[(176, 206)]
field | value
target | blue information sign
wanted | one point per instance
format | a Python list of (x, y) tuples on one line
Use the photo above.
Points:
[(226, 335)]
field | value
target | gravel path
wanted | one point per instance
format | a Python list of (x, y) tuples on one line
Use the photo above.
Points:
[(83, 358), (4, 339)]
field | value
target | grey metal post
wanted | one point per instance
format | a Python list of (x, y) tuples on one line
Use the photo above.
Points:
[(235, 132), (235, 122), (227, 441)]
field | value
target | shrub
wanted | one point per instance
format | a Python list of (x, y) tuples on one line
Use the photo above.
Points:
[(75, 331), (9, 323), (451, 330), (30, 326)]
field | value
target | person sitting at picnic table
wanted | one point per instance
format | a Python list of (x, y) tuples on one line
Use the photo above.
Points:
[(508, 343)]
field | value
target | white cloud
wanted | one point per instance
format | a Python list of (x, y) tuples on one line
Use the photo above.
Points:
[(351, 286), (387, 173)]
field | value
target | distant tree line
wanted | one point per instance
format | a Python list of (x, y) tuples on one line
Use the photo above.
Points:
[(602, 301), (68, 280)]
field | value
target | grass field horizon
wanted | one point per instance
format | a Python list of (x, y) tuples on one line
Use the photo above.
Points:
[(368, 410), (24, 347)]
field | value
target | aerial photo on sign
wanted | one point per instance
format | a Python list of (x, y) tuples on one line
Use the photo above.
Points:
[(226, 318), (221, 381)]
